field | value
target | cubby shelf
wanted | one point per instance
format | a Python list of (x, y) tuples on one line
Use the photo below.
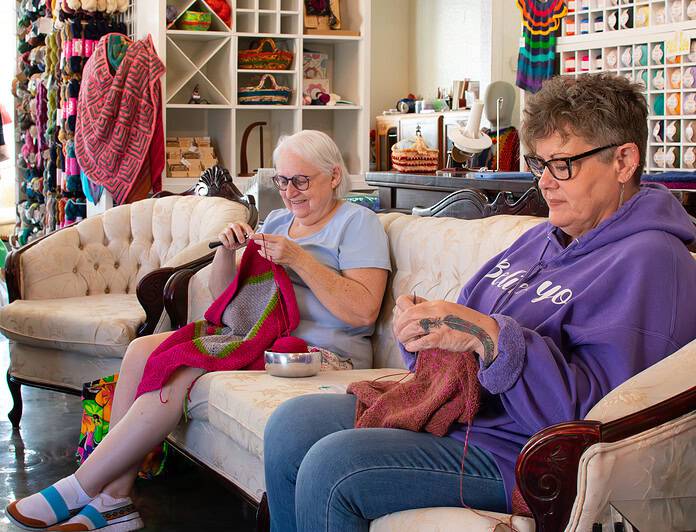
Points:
[(209, 59), (669, 84)]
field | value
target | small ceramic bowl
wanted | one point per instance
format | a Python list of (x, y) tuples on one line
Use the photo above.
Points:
[(292, 364)]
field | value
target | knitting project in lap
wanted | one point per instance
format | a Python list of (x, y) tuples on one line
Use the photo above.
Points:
[(444, 390), (256, 309)]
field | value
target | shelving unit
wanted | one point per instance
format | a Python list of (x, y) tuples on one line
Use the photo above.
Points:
[(638, 50), (209, 59)]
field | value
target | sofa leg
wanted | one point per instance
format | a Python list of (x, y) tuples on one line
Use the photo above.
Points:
[(16, 392), (263, 516)]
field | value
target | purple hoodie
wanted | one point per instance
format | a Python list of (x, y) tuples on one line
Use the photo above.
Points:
[(576, 322)]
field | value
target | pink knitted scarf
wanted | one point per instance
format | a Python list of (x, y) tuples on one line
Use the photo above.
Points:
[(257, 308)]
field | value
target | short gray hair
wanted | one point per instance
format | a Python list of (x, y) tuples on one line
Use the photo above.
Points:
[(599, 108), (319, 149)]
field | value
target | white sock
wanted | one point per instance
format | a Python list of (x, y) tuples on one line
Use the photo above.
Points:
[(36, 507), (105, 503)]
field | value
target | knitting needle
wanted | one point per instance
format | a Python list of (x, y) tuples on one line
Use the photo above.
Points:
[(213, 245)]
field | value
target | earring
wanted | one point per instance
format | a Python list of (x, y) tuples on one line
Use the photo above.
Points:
[(621, 195)]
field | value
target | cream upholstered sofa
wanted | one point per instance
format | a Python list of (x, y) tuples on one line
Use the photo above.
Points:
[(81, 294), (229, 410)]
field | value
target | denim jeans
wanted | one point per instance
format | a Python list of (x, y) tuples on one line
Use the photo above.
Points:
[(324, 475)]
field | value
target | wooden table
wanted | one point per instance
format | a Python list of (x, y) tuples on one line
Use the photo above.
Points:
[(402, 192), (433, 128)]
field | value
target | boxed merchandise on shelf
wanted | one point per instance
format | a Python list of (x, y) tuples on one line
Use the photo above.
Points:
[(189, 156)]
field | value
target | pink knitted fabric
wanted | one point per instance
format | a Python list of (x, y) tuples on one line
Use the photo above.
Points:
[(257, 308), (444, 389)]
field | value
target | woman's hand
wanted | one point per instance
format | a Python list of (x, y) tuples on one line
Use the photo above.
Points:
[(278, 249), (444, 325), (235, 236)]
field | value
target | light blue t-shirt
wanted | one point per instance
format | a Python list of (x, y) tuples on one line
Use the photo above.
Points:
[(353, 238)]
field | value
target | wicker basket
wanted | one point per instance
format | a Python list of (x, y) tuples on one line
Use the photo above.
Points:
[(195, 21), (258, 59), (260, 95), (413, 155)]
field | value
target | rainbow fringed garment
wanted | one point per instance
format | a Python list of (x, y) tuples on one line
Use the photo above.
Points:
[(540, 20), (256, 309)]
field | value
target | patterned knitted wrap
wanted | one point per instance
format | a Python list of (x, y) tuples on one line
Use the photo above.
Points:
[(118, 117), (258, 307)]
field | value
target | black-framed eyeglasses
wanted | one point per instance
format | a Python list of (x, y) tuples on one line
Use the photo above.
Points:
[(561, 168), (299, 181)]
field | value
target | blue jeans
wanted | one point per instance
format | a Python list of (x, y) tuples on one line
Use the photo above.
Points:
[(324, 475)]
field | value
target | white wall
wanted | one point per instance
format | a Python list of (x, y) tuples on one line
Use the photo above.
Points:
[(390, 37), (450, 40), (420, 45)]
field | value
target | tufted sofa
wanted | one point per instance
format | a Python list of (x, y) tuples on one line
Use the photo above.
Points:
[(80, 295), (567, 473)]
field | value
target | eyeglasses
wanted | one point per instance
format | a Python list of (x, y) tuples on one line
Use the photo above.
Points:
[(299, 181), (561, 168)]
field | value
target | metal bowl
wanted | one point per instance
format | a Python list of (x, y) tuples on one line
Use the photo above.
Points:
[(292, 364)]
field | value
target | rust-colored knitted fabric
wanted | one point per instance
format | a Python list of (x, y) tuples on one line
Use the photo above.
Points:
[(443, 390)]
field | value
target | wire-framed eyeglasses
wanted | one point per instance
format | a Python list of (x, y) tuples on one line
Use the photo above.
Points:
[(561, 168), (299, 181)]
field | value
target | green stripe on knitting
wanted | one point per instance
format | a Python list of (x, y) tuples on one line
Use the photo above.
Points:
[(232, 346), (272, 304), (261, 278)]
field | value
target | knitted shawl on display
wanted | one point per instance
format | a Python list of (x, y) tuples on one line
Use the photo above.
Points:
[(256, 309), (540, 21), (119, 140)]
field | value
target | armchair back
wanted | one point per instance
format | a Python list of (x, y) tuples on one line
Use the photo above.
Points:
[(434, 258), (111, 252)]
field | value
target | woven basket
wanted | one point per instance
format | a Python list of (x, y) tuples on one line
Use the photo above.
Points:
[(413, 155), (195, 20), (260, 95), (258, 59)]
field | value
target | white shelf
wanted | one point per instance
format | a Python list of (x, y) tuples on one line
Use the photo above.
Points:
[(198, 106), (331, 38), (269, 35), (209, 59), (331, 107), (199, 35), (255, 71), (266, 107)]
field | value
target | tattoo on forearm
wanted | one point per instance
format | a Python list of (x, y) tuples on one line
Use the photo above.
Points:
[(458, 324)]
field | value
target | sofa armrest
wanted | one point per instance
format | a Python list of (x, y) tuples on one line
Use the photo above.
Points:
[(176, 293), (151, 291), (547, 467), (13, 268)]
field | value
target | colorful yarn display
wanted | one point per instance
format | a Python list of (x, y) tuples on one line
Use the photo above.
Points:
[(54, 40)]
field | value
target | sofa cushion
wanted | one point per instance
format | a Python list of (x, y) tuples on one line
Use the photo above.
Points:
[(240, 402), (448, 520), (437, 267), (98, 325)]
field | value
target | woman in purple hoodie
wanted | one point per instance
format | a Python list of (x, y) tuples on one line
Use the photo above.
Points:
[(572, 309)]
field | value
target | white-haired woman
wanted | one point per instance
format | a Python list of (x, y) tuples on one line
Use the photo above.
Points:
[(337, 257)]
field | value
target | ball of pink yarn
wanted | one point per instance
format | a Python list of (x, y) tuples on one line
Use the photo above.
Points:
[(289, 344)]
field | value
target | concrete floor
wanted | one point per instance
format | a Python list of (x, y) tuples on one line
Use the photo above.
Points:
[(43, 451)]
